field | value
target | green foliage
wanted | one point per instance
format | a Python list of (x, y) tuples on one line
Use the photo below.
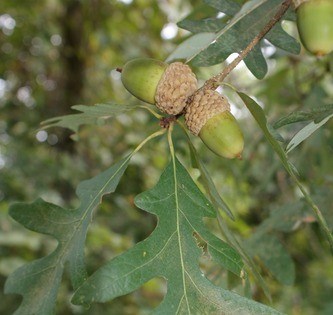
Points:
[(214, 195), (171, 252), (93, 115), (306, 132), (274, 256), (259, 116), (39, 281), (265, 244), (214, 236), (234, 37), (316, 115)]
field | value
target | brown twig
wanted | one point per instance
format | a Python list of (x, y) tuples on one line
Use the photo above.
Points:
[(213, 82)]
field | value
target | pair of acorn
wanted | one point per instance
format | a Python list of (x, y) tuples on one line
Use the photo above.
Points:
[(208, 114), (169, 87)]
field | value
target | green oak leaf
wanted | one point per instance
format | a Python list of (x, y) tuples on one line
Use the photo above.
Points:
[(208, 183), (191, 46), (285, 218), (96, 114), (238, 33), (228, 7), (260, 117), (171, 252), (206, 25), (220, 204), (265, 244), (306, 132), (316, 114), (273, 255), (38, 281)]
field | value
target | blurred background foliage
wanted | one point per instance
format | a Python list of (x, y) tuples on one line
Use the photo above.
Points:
[(55, 54)]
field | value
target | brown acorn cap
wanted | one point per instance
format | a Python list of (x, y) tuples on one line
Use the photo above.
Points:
[(297, 3), (204, 106), (177, 83)]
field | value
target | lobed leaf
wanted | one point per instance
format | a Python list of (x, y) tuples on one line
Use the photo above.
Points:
[(38, 282), (208, 25), (233, 37), (228, 7), (214, 195), (171, 252), (191, 46), (220, 205), (96, 114)]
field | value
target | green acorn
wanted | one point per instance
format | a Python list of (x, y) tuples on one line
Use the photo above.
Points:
[(208, 116), (315, 25), (156, 82)]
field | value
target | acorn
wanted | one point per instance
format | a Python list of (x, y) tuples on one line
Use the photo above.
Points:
[(315, 25), (208, 116), (166, 85)]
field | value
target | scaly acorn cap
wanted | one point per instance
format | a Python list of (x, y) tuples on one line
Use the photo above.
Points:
[(156, 82), (177, 83), (204, 106), (209, 117)]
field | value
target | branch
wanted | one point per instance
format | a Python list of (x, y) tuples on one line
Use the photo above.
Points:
[(213, 82)]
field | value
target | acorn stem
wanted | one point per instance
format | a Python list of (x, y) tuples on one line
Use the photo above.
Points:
[(158, 116), (165, 122)]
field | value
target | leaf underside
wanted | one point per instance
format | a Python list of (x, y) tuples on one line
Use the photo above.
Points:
[(96, 115), (306, 132), (171, 252)]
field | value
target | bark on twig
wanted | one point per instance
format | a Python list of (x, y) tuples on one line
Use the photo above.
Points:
[(213, 82)]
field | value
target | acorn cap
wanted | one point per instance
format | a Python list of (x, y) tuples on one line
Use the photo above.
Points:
[(204, 106), (177, 83)]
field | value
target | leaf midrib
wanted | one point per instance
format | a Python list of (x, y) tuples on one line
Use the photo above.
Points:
[(179, 234)]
